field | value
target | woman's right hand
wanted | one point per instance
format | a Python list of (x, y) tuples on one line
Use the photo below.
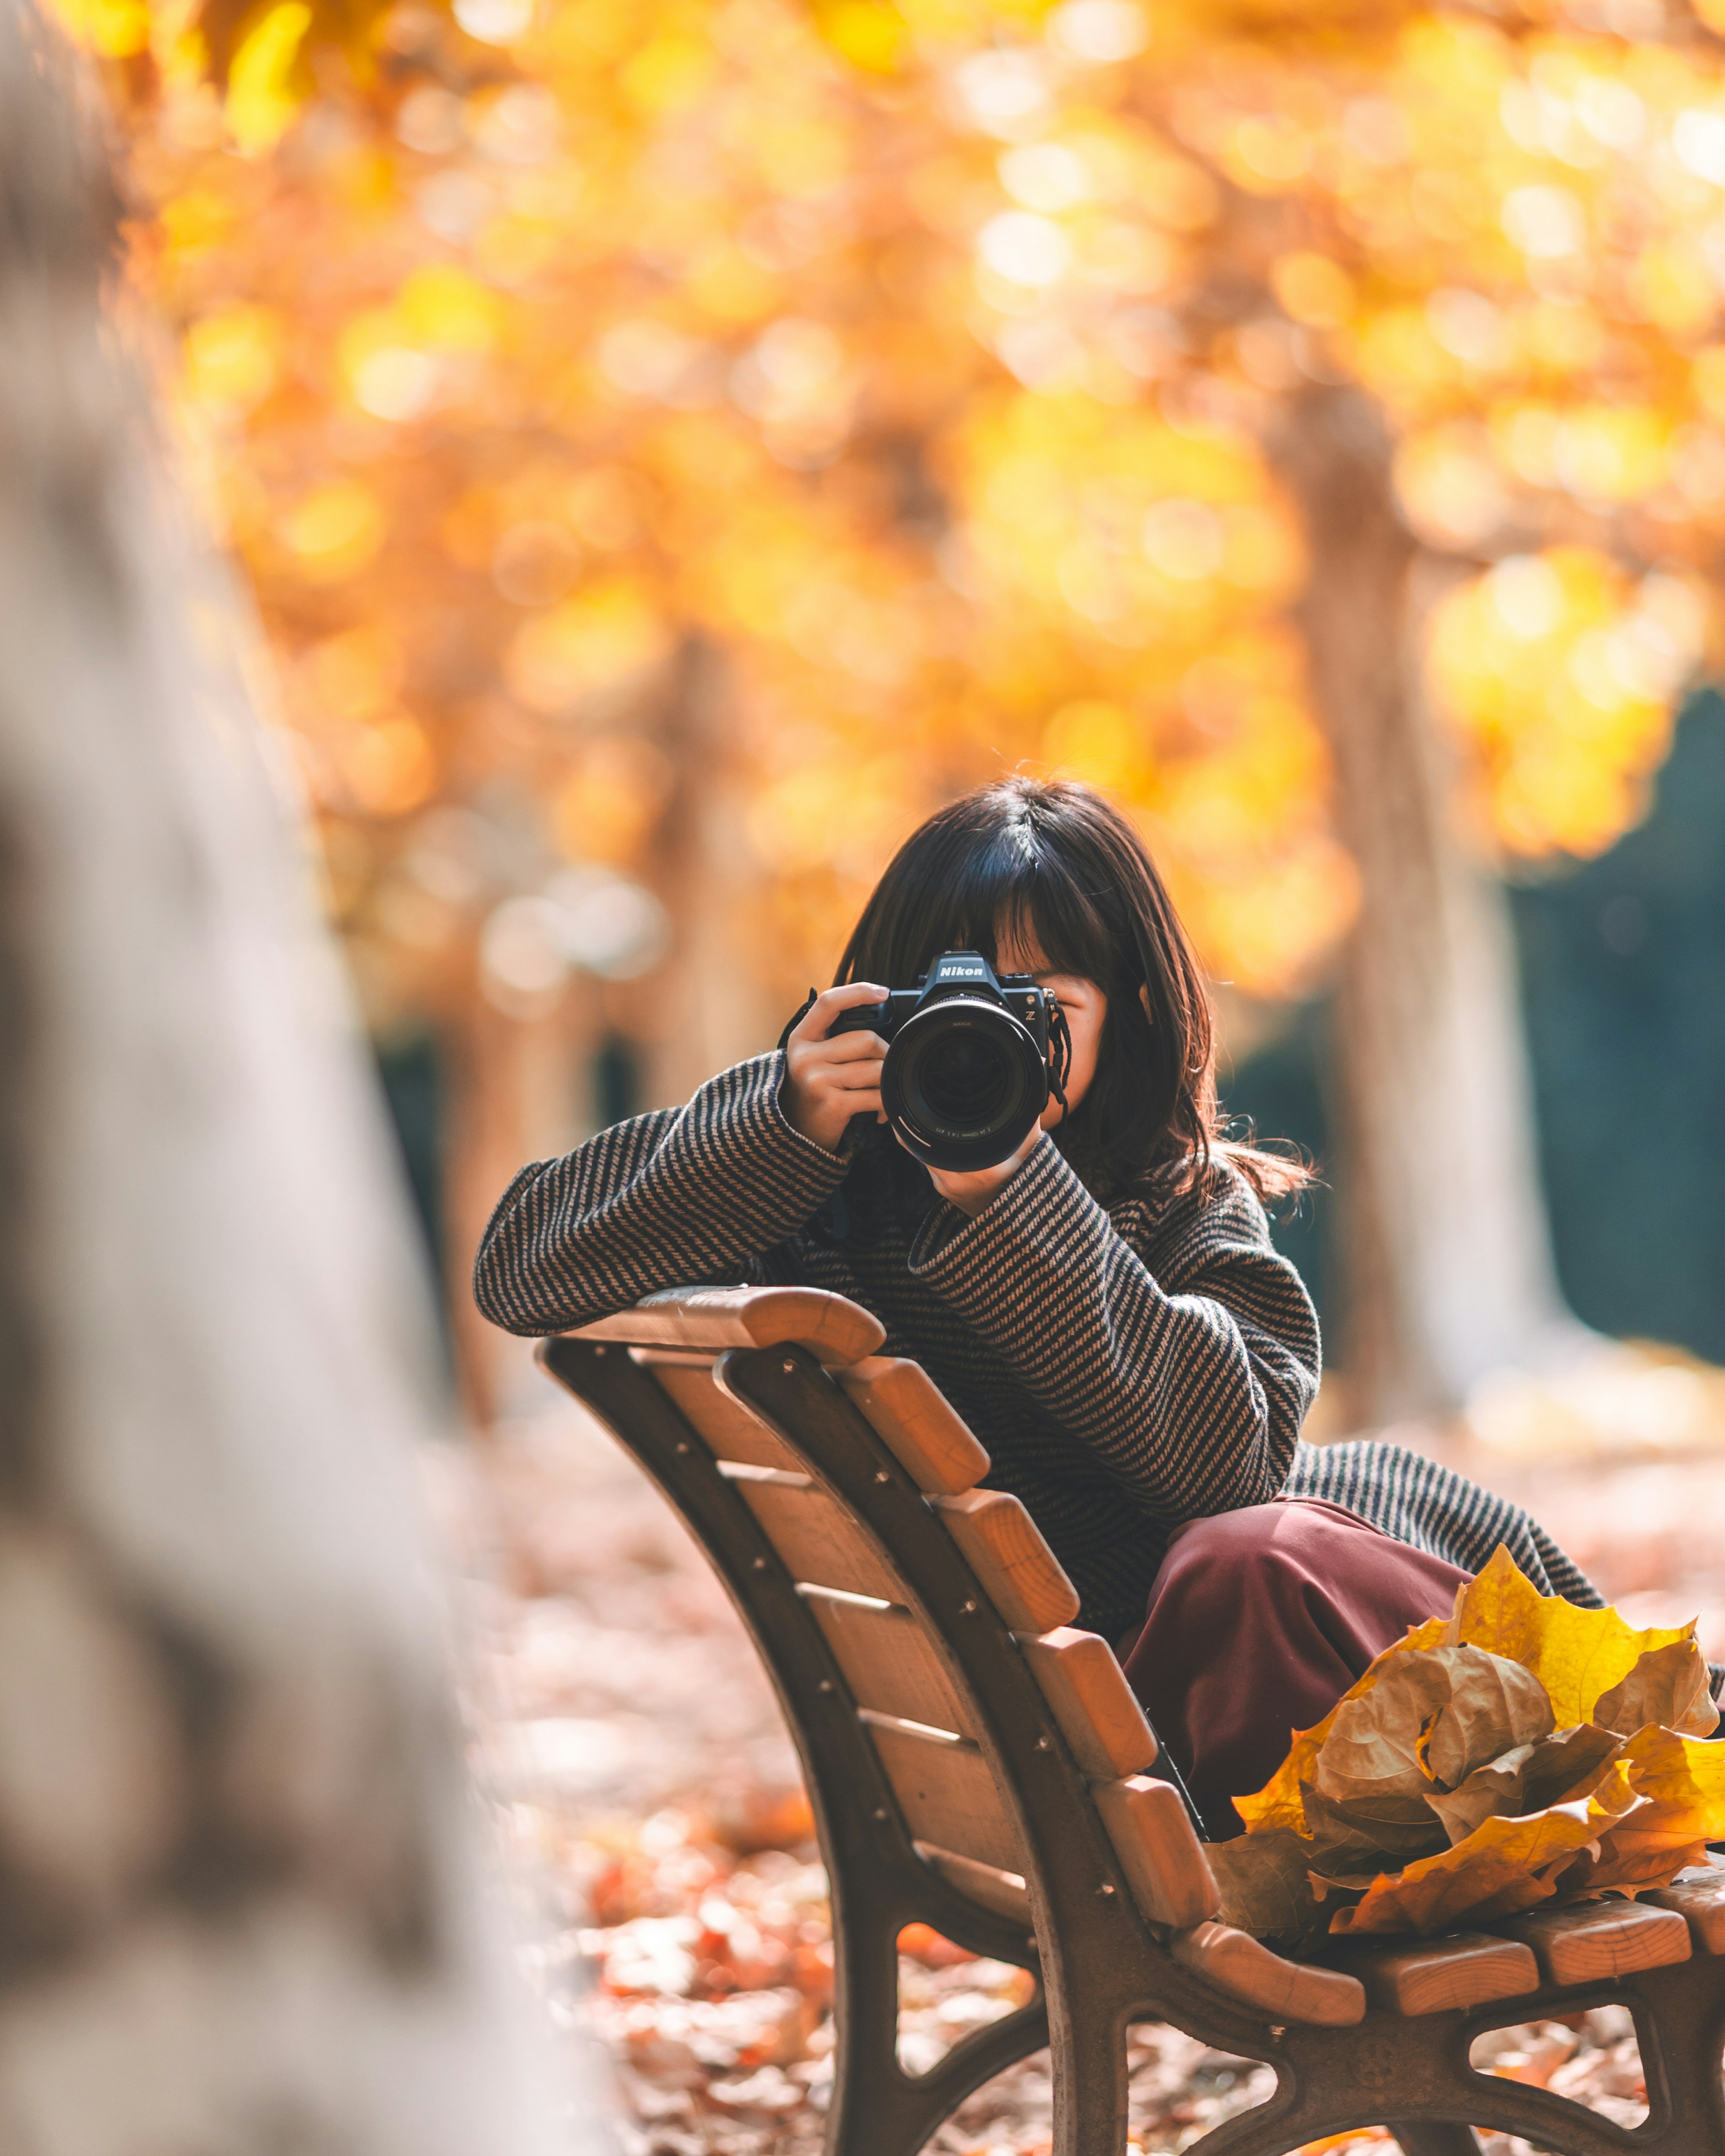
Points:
[(826, 1081)]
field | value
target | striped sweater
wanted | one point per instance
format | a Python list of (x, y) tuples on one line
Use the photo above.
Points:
[(1128, 1366)]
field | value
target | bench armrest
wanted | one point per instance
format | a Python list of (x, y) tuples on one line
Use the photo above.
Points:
[(714, 1318)]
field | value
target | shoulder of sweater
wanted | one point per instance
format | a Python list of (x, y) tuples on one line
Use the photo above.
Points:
[(1218, 1210)]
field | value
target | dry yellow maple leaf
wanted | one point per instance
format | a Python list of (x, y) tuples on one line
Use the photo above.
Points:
[(1668, 1687), (1279, 1802), (1578, 1654), (1554, 1770), (1684, 1784), (1505, 1865)]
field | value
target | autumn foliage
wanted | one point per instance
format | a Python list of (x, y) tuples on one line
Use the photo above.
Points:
[(631, 411)]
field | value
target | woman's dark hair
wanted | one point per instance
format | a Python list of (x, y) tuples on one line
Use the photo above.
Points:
[(1033, 861)]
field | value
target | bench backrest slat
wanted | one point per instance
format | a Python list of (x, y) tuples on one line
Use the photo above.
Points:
[(888, 1662), (836, 1331), (905, 1683), (948, 1794), (819, 1541), (732, 1431)]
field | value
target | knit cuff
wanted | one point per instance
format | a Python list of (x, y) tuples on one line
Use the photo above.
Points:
[(1043, 1222), (777, 1072)]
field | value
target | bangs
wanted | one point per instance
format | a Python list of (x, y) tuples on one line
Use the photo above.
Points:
[(1009, 889)]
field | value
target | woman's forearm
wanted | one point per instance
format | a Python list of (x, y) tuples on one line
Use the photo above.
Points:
[(1193, 1399), (666, 1200)]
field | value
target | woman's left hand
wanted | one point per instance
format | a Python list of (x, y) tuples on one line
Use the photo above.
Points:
[(971, 1193)]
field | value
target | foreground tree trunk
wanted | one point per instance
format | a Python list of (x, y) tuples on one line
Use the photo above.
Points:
[(238, 1906), (1447, 1265)]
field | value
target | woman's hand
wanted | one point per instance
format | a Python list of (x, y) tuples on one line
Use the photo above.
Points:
[(827, 1082), (971, 1193)]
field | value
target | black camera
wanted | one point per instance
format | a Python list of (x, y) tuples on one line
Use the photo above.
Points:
[(967, 1068)]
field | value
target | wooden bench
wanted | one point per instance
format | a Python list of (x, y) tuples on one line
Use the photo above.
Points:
[(978, 1765)]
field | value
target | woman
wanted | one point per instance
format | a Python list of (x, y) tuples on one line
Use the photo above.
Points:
[(1105, 1308)]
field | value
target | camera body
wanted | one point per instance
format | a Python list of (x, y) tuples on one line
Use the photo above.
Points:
[(967, 1068)]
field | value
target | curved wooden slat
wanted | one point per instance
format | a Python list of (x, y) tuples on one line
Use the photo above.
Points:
[(1438, 1976), (1097, 1711), (1701, 1903), (818, 1540), (733, 1430), (1004, 1892), (1015, 1568), (917, 1424), (946, 1792), (1163, 1859), (887, 1659), (837, 1330), (1590, 1941), (1251, 1972)]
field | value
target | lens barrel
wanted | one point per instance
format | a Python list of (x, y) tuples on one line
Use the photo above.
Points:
[(963, 1082)]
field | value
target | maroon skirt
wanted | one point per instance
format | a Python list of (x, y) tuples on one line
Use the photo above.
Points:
[(1258, 1621)]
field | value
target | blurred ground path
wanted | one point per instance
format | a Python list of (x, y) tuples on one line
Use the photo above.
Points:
[(630, 1745)]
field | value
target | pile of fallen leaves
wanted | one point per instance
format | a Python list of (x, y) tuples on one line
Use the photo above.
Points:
[(1521, 1751)]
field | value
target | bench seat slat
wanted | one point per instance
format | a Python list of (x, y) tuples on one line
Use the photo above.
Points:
[(1701, 1903), (1015, 1568), (1251, 1972), (1589, 1942), (837, 1330), (947, 1796), (1097, 1711), (917, 1424), (1412, 1977), (1163, 1859)]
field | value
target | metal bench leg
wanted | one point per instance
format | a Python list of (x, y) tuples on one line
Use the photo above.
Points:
[(1090, 2083), (1436, 2140), (877, 2108)]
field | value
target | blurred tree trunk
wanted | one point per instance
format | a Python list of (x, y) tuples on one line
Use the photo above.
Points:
[(1446, 1261), (707, 1010), (239, 1903)]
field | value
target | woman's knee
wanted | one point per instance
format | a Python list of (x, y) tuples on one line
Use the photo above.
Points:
[(1251, 1535)]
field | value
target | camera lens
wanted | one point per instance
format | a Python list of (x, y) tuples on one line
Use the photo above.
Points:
[(962, 1084), (963, 1078)]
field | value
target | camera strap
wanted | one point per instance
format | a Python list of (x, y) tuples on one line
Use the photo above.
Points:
[(796, 1018), (1060, 1066)]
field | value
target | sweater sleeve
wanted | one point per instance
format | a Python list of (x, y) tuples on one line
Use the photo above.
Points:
[(677, 1198), (1189, 1383)]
